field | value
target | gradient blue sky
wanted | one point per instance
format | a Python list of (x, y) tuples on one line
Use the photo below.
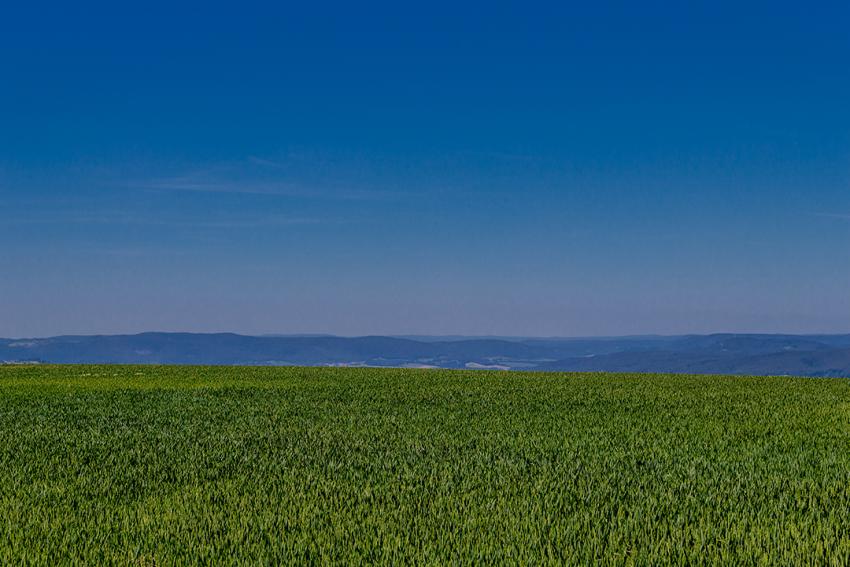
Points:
[(356, 168)]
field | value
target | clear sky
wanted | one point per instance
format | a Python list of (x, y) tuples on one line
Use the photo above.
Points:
[(574, 168)]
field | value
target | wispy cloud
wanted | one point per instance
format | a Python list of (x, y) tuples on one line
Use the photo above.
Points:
[(265, 177), (267, 162), (188, 183)]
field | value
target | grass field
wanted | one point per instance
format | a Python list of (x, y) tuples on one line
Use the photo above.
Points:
[(169, 465)]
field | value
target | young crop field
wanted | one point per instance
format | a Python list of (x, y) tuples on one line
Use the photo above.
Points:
[(187, 465)]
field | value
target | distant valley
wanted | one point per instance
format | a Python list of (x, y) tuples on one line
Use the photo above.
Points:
[(803, 355)]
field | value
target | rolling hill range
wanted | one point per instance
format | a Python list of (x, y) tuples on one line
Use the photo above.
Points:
[(804, 355)]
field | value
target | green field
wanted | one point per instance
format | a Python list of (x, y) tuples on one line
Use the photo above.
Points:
[(169, 465)]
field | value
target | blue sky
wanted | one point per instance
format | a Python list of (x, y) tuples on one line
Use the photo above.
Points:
[(368, 168)]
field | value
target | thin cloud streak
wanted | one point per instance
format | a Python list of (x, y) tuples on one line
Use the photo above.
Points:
[(267, 162), (259, 176), (188, 184), (183, 184)]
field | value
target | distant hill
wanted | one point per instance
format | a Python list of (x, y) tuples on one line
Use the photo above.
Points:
[(806, 355)]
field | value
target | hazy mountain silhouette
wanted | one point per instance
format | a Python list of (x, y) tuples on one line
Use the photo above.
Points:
[(806, 355)]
